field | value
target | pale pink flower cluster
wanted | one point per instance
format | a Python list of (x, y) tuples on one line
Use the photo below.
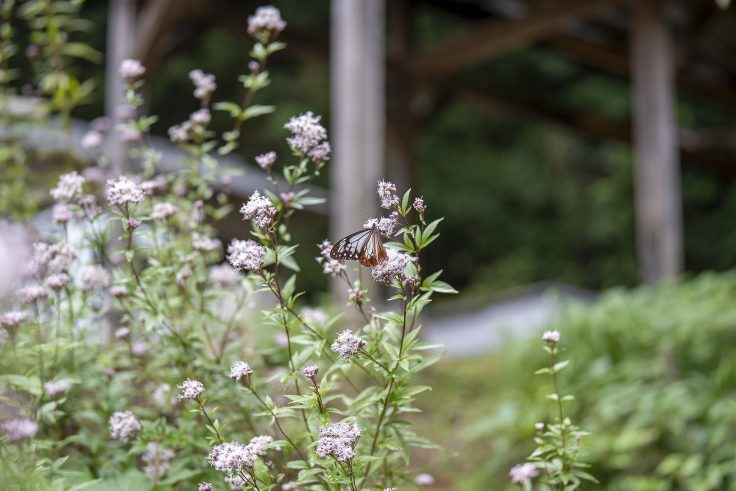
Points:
[(93, 277), (31, 293), (347, 344), (315, 315), (234, 457), (551, 337), (387, 194), (266, 160), (190, 389), (68, 188), (424, 479), (267, 19), (157, 460), (223, 274), (13, 318), (50, 258), (123, 426), (205, 244), (522, 473), (118, 291), (260, 210), (419, 205), (131, 69), (162, 211), (152, 185), (308, 137), (338, 440), (92, 140), (392, 268), (236, 483), (56, 387), (310, 371), (122, 191), (57, 281), (246, 255), (240, 370), (384, 225), (196, 123), (19, 429), (204, 486), (204, 84), (330, 266), (61, 213)]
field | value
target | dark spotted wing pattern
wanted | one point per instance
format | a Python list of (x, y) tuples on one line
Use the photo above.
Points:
[(363, 245)]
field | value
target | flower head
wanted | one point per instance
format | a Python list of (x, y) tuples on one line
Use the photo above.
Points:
[(246, 255), (13, 318), (260, 210), (266, 160), (522, 473), (118, 291), (306, 132), (57, 281), (93, 276), (224, 274), (204, 486), (31, 293), (539, 426), (330, 266), (419, 205), (338, 440), (68, 188), (310, 371), (19, 429), (56, 387), (315, 315), (131, 69), (384, 225), (240, 370), (236, 483), (266, 21), (392, 268), (92, 140), (157, 460), (122, 191), (190, 389), (162, 211), (551, 337), (424, 479), (387, 193), (62, 213), (123, 426), (347, 344), (204, 84), (205, 244)]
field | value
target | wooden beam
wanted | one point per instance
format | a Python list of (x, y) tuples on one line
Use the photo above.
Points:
[(492, 38), (656, 166)]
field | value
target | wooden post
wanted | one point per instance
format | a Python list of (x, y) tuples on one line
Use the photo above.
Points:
[(657, 170), (358, 112), (120, 42)]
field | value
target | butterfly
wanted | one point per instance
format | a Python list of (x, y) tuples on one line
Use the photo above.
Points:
[(364, 245)]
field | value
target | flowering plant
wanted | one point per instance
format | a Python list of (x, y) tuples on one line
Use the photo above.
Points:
[(133, 354)]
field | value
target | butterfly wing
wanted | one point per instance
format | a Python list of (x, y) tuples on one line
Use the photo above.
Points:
[(373, 252), (352, 246)]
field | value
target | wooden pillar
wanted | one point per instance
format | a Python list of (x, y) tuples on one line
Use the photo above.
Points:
[(657, 169), (120, 45), (358, 112)]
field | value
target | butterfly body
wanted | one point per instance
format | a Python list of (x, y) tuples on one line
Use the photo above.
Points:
[(364, 245)]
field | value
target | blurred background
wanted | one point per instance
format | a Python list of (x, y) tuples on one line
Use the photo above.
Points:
[(583, 154)]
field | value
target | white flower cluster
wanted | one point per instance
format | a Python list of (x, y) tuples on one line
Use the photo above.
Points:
[(162, 211), (31, 293), (204, 84), (19, 429), (205, 244), (393, 267), (50, 258), (338, 440), (93, 277), (310, 371), (267, 19), (551, 337), (266, 160), (387, 194), (13, 318), (239, 370), (259, 209), (123, 426), (57, 281), (246, 255), (190, 389), (131, 69), (235, 458), (157, 460), (308, 137), (56, 387), (122, 191), (522, 473), (384, 225), (68, 188), (223, 274), (330, 266), (196, 124), (347, 344)]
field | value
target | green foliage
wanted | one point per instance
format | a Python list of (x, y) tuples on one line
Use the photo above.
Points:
[(655, 384)]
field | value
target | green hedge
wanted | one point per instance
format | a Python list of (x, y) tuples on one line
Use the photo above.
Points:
[(654, 374)]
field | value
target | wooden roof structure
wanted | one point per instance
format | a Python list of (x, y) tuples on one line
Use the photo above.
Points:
[(664, 47)]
